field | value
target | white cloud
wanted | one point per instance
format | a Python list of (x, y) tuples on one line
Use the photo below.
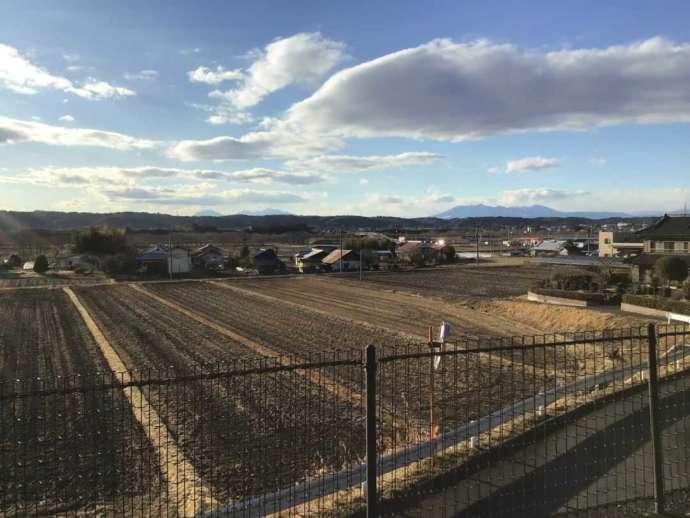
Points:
[(454, 91), (66, 118), (531, 163), (214, 77), (277, 140), (520, 197), (202, 196), (377, 204), (133, 177), (363, 181), (302, 58), (352, 164), (600, 161), (19, 75), (269, 176), (13, 131), (142, 75), (229, 117)]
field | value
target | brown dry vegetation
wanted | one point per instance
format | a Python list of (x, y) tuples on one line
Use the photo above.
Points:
[(552, 318)]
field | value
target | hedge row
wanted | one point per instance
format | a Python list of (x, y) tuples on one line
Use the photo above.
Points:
[(662, 303), (596, 297)]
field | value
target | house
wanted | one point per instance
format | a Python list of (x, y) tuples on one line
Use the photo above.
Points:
[(642, 267), (28, 266), (669, 235), (208, 257), (70, 261), (555, 247), (443, 252), (311, 261), (266, 262), (619, 244), (528, 240), (385, 260), (342, 260), (161, 259), (414, 250)]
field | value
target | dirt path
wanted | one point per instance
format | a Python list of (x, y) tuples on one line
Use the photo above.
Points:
[(184, 485)]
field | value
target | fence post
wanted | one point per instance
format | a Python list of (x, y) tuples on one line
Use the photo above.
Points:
[(371, 431), (654, 426)]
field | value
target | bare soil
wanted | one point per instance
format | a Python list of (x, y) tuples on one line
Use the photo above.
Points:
[(63, 451), (468, 385), (232, 428), (462, 281)]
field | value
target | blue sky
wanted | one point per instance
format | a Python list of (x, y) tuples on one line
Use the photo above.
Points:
[(396, 108)]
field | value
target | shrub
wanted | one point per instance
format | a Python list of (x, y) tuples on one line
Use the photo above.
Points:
[(561, 280), (101, 241), (41, 264), (670, 268), (417, 259), (13, 261), (661, 303), (119, 263)]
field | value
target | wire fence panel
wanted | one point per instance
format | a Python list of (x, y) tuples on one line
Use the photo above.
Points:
[(519, 426), (533, 426)]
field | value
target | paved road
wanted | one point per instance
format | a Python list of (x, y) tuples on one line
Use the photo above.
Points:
[(599, 459)]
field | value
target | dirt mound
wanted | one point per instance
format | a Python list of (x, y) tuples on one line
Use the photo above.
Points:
[(550, 318)]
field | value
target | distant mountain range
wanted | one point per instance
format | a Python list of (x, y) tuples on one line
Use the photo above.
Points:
[(209, 213), (530, 211), (265, 212)]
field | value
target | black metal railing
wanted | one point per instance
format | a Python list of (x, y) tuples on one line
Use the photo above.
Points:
[(539, 425)]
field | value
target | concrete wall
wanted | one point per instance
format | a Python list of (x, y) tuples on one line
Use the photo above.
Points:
[(642, 310), (560, 301)]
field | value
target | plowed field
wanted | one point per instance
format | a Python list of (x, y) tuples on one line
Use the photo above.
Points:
[(233, 429), (62, 451)]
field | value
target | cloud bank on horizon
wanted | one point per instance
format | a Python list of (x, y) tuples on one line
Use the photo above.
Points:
[(301, 121)]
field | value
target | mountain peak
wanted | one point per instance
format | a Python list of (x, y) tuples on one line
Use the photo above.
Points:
[(529, 211)]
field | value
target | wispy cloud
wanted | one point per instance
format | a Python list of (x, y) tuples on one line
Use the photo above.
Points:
[(142, 75), (531, 163), (14, 131), (21, 76), (214, 76), (303, 58), (362, 163)]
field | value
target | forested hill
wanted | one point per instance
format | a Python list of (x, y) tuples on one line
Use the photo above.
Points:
[(13, 221)]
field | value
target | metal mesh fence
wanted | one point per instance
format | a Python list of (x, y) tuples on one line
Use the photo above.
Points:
[(478, 427)]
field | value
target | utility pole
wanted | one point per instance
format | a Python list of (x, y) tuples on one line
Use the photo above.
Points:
[(476, 237), (361, 258), (170, 257), (341, 250)]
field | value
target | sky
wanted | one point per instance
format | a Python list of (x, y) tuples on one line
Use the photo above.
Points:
[(400, 108)]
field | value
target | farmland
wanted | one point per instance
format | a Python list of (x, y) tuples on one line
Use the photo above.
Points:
[(209, 420), (234, 428), (43, 345), (458, 283)]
